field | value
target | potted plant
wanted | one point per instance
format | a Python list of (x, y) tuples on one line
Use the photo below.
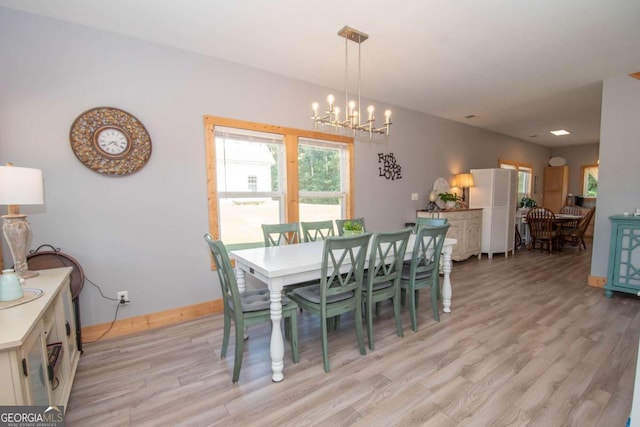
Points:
[(350, 228), (449, 199)]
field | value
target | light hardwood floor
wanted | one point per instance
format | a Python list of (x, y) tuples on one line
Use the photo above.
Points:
[(527, 344)]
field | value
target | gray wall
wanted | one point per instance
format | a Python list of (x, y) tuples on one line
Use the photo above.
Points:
[(619, 174), (143, 233)]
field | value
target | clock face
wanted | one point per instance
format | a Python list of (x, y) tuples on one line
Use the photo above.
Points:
[(113, 142)]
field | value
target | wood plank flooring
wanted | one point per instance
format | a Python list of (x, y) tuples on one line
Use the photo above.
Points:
[(527, 344)]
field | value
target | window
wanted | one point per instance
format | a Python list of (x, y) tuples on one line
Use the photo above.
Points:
[(262, 174), (590, 181), (252, 182), (525, 173)]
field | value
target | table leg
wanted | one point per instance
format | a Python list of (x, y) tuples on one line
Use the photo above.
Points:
[(446, 282), (241, 280), (277, 342)]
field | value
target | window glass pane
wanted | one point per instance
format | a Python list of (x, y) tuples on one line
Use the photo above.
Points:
[(319, 166), (241, 219), (321, 177), (249, 171), (320, 208)]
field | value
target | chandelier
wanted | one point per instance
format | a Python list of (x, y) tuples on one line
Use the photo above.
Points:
[(353, 118)]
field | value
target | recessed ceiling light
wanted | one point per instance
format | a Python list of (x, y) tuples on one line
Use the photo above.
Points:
[(470, 116), (560, 132), (535, 135)]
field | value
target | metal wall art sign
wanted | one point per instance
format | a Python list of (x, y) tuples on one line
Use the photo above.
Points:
[(390, 168)]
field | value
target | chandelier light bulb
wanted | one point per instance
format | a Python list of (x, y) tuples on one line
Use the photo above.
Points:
[(352, 106), (315, 106), (331, 99), (387, 116), (370, 110)]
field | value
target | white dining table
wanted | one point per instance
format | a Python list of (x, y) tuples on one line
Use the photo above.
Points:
[(279, 266)]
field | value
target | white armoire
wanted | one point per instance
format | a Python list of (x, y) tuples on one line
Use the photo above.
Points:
[(495, 191)]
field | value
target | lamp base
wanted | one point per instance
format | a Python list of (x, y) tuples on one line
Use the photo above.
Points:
[(28, 274), (18, 234)]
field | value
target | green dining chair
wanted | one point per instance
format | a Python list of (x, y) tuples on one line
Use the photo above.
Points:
[(281, 234), (339, 290), (246, 309), (423, 271), (316, 230), (382, 278), (340, 224), (430, 222)]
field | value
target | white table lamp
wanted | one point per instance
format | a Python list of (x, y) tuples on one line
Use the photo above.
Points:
[(19, 186)]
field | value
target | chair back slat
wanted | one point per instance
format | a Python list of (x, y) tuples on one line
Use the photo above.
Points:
[(335, 276), (430, 222), (281, 234), (387, 256), (317, 230), (427, 248), (541, 223), (230, 292)]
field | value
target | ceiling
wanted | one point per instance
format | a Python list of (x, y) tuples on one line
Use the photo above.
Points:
[(522, 67)]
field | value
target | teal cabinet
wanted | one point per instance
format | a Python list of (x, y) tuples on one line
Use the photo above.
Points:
[(624, 256)]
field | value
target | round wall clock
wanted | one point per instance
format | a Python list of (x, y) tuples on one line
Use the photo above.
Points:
[(110, 141)]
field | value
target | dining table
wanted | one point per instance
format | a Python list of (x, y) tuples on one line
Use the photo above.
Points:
[(280, 266)]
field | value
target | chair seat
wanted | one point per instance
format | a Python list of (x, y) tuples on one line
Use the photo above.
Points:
[(406, 273), (256, 300), (312, 293)]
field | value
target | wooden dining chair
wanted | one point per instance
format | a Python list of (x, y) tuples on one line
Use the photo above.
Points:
[(575, 236), (339, 290), (541, 222), (281, 234), (423, 271), (570, 210), (382, 278), (246, 309), (340, 224), (316, 230)]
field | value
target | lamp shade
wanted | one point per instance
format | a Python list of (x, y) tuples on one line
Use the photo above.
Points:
[(20, 186), (464, 180)]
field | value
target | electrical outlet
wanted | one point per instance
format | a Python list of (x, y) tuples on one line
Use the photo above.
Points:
[(414, 196), (123, 297)]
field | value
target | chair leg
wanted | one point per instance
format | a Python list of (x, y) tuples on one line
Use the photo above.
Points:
[(412, 310), (225, 335), (369, 316), (293, 325), (434, 302), (325, 345), (237, 360), (397, 316), (359, 334)]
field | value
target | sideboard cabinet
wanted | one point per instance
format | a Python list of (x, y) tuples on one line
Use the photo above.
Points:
[(465, 225), (624, 256), (31, 336)]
